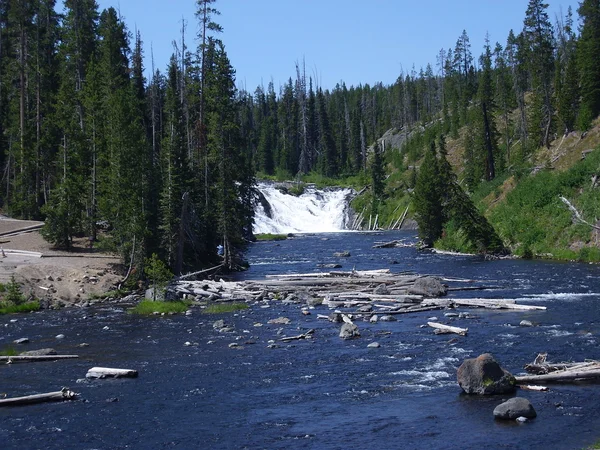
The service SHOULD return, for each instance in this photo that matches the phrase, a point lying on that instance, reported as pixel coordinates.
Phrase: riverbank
(57, 278)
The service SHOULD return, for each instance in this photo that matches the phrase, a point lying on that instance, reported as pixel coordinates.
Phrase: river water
(323, 393)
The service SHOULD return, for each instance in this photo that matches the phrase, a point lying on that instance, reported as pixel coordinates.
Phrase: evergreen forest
(167, 165)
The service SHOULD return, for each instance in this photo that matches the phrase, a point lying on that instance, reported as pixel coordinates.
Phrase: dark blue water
(323, 393)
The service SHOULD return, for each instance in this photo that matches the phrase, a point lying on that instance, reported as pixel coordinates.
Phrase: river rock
(428, 287)
(526, 323)
(483, 375)
(40, 352)
(314, 301)
(365, 308)
(374, 345)
(514, 408)
(382, 289)
(279, 321)
(219, 324)
(329, 266)
(21, 341)
(349, 331)
(344, 254)
(336, 317)
(387, 318)
(374, 318)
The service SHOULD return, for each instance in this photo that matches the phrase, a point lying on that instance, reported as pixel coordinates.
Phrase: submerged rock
(349, 331)
(279, 321)
(344, 254)
(388, 318)
(428, 287)
(515, 408)
(483, 375)
(526, 323)
(374, 345)
(21, 341)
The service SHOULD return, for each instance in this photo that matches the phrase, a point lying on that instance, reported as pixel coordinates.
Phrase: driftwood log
(32, 358)
(105, 372)
(444, 329)
(307, 335)
(63, 394)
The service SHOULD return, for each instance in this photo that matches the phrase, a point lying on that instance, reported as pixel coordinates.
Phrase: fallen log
(63, 394)
(530, 387)
(444, 329)
(497, 304)
(104, 372)
(565, 376)
(36, 358)
(307, 335)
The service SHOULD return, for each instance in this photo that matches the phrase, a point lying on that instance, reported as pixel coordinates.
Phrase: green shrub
(22, 308)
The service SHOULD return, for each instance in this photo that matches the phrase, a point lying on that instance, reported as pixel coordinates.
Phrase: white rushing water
(315, 211)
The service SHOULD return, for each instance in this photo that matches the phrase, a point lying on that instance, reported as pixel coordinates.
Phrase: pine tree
(377, 177)
(427, 199)
(539, 36)
(588, 49)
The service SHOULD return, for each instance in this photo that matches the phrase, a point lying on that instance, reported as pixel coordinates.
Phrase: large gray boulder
(349, 331)
(428, 287)
(513, 408)
(483, 375)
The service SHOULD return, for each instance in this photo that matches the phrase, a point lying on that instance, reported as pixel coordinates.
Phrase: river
(324, 393)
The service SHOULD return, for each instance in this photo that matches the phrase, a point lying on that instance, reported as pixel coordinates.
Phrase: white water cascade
(315, 211)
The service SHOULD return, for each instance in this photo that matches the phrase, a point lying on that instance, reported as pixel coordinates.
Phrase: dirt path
(56, 277)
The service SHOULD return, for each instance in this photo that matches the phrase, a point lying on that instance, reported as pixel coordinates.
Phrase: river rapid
(323, 393)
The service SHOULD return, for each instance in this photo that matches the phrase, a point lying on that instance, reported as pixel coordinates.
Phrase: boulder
(349, 331)
(428, 287)
(514, 408)
(314, 301)
(483, 375)
(381, 290)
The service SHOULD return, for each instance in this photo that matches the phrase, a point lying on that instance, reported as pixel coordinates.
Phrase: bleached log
(565, 376)
(532, 387)
(577, 214)
(63, 394)
(104, 372)
(36, 357)
(497, 304)
(200, 272)
(448, 329)
(307, 335)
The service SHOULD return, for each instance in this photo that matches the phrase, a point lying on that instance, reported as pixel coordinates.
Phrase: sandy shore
(58, 277)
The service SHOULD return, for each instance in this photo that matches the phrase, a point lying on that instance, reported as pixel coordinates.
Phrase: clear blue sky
(354, 41)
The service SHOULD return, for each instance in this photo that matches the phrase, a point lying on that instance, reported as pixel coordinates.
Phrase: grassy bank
(149, 307)
(531, 218)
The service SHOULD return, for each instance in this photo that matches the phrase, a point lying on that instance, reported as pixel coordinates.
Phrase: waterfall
(315, 211)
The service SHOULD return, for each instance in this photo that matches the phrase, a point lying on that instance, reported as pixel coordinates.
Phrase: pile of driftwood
(361, 292)
(546, 372)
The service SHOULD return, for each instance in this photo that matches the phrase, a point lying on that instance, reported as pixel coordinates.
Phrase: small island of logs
(360, 293)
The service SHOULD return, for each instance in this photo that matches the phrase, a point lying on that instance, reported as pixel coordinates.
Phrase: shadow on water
(322, 393)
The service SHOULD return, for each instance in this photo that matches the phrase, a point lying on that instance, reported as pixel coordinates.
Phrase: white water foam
(315, 211)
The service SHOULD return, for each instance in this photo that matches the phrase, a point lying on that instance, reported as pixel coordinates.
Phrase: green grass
(149, 307)
(222, 308)
(270, 237)
(22, 308)
(117, 293)
(9, 351)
